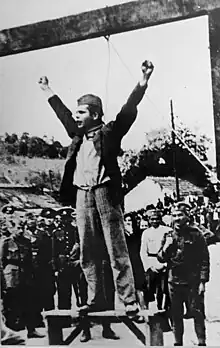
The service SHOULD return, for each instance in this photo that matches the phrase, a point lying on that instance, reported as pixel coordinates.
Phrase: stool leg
(55, 333)
(156, 332)
(147, 329)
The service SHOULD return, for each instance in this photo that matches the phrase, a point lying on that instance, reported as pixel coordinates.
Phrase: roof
(170, 183)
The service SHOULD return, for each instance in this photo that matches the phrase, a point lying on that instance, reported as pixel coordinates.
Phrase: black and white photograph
(110, 173)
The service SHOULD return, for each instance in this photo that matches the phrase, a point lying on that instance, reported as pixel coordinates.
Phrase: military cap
(65, 212)
(8, 209)
(92, 100)
(154, 212)
(181, 206)
(48, 213)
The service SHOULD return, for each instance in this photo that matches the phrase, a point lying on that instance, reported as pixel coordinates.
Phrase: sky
(179, 52)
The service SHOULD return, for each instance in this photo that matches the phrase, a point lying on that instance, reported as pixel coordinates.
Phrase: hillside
(48, 173)
(38, 171)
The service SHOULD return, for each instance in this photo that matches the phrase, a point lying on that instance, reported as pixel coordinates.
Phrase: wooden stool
(59, 319)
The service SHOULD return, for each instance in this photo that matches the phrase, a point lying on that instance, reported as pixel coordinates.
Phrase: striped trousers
(101, 232)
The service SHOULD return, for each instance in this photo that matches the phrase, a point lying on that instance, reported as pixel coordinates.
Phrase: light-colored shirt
(150, 244)
(89, 170)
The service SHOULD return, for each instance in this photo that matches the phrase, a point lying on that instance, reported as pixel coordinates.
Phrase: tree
(32, 146)
(11, 139)
(35, 147)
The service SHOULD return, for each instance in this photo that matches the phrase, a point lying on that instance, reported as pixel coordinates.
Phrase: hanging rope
(134, 79)
(122, 61)
(159, 112)
(107, 37)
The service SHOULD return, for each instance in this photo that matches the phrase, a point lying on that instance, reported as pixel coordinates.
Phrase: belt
(91, 188)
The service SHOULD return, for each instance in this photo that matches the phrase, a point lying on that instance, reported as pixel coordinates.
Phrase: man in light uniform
(150, 245)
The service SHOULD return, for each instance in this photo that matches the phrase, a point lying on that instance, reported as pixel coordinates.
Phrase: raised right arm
(166, 249)
(62, 112)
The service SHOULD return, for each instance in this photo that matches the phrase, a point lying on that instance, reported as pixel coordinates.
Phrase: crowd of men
(40, 257)
(140, 256)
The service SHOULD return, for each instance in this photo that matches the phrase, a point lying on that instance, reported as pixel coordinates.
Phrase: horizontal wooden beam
(101, 22)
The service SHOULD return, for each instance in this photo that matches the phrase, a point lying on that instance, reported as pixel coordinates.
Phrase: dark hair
(133, 216)
(93, 109)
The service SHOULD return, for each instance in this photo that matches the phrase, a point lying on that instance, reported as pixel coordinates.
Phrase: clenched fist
(147, 69)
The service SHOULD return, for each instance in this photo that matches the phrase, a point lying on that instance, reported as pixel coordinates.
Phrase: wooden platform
(58, 319)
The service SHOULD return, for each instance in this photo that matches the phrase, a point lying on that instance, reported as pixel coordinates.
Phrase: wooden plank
(214, 37)
(57, 319)
(105, 21)
(108, 313)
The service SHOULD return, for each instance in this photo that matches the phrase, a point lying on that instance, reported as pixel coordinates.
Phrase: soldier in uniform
(60, 257)
(77, 277)
(66, 256)
(186, 253)
(17, 270)
(43, 273)
(30, 232)
(44, 270)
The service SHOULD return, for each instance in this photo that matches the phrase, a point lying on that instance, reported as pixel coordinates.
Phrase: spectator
(16, 264)
(155, 272)
(185, 251)
(133, 240)
(159, 204)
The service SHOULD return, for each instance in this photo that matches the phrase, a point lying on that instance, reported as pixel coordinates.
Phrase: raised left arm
(128, 113)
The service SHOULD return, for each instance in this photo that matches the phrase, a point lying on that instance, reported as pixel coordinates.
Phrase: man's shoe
(35, 334)
(110, 334)
(85, 336)
(178, 344)
(132, 309)
(11, 338)
(202, 344)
